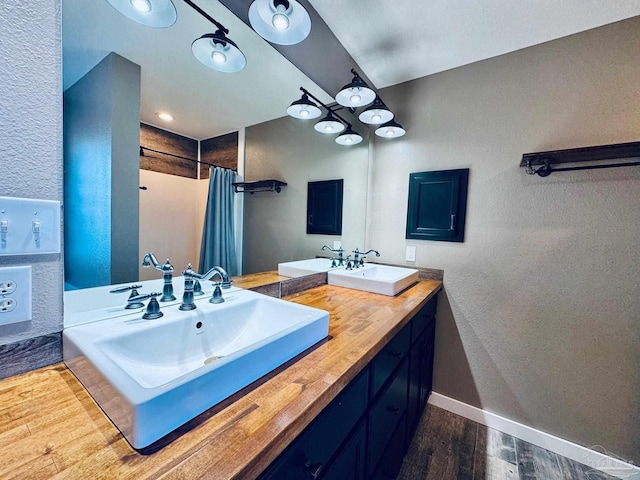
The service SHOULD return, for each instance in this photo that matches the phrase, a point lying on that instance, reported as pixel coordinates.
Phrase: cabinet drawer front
(391, 461)
(349, 464)
(425, 316)
(388, 359)
(386, 413)
(309, 454)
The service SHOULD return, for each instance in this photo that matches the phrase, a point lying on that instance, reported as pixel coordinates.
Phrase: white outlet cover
(337, 244)
(16, 280)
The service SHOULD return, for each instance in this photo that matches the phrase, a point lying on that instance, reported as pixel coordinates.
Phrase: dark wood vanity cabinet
(365, 432)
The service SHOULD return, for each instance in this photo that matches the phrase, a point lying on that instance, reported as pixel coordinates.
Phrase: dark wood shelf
(546, 160)
(583, 154)
(259, 186)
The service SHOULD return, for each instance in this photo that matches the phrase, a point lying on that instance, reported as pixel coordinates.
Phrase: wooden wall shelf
(546, 160)
(259, 186)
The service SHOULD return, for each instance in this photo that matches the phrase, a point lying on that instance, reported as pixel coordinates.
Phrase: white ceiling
(392, 41)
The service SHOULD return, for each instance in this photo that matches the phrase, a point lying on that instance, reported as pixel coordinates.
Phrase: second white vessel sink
(151, 376)
(301, 268)
(383, 279)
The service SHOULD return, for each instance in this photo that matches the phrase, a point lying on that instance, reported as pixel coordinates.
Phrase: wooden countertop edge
(256, 424)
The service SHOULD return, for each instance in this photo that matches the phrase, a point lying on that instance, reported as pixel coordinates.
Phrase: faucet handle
(217, 295)
(131, 303)
(125, 288)
(153, 308)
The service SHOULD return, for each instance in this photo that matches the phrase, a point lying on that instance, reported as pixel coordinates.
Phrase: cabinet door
(414, 400)
(387, 411)
(349, 463)
(391, 460)
(324, 207)
(308, 455)
(437, 205)
(388, 359)
(427, 364)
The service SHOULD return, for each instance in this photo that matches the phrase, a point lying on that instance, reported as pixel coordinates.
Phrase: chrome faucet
(358, 257)
(339, 251)
(167, 273)
(226, 282)
(191, 276)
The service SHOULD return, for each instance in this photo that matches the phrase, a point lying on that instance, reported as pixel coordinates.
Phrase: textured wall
(539, 321)
(31, 145)
(275, 223)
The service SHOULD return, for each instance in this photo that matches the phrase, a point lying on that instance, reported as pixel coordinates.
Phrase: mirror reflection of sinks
(383, 279)
(305, 267)
(152, 376)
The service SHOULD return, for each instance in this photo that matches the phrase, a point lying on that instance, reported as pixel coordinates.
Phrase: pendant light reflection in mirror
(284, 22)
(214, 50)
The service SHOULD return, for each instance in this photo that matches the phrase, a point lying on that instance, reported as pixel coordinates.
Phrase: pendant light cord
(207, 16)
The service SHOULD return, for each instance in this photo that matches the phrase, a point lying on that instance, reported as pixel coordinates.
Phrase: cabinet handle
(394, 353)
(313, 469)
(453, 221)
(393, 409)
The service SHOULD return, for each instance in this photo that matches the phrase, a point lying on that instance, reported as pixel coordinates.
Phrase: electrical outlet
(7, 287)
(337, 244)
(410, 255)
(7, 304)
(15, 294)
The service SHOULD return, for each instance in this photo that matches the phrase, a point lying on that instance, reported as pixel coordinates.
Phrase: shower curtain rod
(142, 149)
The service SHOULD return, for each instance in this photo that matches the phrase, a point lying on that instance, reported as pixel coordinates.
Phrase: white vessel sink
(382, 279)
(301, 268)
(151, 376)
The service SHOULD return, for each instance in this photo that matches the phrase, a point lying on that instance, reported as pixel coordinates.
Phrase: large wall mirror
(205, 104)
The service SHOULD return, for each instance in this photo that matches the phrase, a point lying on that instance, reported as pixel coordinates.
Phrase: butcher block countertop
(50, 427)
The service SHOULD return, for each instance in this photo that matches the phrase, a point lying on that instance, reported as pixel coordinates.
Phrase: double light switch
(29, 226)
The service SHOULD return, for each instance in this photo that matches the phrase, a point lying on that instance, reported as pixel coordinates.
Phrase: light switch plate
(410, 255)
(15, 294)
(337, 244)
(29, 226)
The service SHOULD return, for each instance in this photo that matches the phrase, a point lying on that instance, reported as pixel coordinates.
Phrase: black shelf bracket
(259, 186)
(545, 161)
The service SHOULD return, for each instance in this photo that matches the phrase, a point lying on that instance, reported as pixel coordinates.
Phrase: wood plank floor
(447, 446)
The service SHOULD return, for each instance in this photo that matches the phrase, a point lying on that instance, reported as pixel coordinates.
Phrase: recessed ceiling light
(167, 117)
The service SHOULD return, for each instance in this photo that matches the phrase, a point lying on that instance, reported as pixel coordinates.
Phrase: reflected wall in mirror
(206, 104)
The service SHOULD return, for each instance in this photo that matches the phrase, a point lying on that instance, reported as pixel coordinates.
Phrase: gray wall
(101, 160)
(539, 321)
(31, 146)
(275, 223)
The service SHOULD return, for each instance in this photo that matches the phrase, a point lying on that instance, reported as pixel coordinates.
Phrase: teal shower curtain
(218, 246)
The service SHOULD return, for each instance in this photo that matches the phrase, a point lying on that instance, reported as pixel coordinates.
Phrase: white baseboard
(599, 460)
